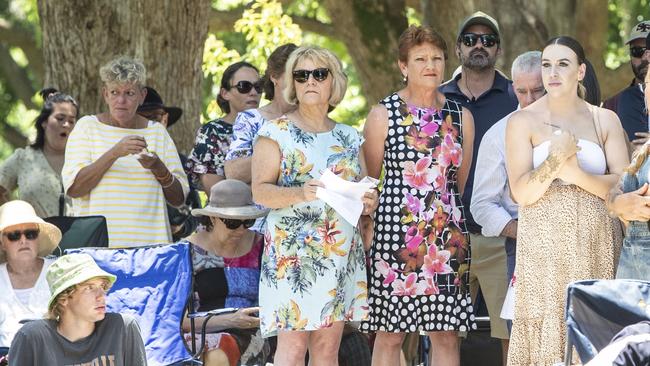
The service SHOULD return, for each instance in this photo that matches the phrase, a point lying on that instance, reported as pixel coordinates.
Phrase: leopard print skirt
(565, 236)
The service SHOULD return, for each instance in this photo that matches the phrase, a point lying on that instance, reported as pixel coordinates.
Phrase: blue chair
(154, 285)
(596, 310)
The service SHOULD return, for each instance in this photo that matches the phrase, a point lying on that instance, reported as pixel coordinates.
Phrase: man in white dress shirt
(492, 205)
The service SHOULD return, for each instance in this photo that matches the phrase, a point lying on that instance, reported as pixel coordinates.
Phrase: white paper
(344, 196)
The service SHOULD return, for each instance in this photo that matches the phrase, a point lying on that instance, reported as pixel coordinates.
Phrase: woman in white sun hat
(24, 240)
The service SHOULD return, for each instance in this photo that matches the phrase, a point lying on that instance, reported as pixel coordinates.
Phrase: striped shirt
(128, 195)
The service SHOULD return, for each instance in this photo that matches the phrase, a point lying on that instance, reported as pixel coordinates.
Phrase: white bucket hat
(231, 199)
(20, 212)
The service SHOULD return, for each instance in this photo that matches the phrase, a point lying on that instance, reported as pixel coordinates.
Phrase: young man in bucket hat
(79, 330)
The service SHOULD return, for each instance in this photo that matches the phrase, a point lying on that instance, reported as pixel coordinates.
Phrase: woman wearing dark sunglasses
(24, 240)
(241, 89)
(420, 256)
(313, 268)
(226, 259)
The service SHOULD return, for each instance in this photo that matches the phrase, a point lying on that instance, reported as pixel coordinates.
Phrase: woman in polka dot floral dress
(420, 254)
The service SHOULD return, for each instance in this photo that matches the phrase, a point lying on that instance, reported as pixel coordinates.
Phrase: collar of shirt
(500, 84)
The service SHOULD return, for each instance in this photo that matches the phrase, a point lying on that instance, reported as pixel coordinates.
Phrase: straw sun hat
(20, 212)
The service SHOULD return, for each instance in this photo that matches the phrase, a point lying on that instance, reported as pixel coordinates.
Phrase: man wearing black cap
(490, 97)
(629, 104)
(180, 220)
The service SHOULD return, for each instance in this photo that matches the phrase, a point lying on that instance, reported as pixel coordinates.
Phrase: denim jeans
(635, 255)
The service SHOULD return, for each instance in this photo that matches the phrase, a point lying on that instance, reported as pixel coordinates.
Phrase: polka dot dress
(420, 255)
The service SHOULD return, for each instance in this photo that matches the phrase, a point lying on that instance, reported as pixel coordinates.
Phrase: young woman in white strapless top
(563, 156)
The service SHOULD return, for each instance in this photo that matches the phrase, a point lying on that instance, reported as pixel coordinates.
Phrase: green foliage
(622, 16)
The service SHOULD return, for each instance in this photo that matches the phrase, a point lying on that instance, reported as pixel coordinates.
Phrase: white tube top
(591, 157)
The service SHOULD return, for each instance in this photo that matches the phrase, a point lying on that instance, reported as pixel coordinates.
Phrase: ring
(557, 132)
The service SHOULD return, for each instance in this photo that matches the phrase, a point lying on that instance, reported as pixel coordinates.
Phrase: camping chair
(154, 284)
(598, 309)
(81, 231)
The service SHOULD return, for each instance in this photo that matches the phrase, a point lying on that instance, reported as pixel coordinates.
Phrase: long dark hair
(225, 82)
(275, 67)
(576, 47)
(51, 97)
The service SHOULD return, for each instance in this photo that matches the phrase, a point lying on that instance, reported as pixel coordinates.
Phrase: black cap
(154, 101)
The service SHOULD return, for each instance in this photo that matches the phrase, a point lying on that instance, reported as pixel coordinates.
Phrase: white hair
(526, 63)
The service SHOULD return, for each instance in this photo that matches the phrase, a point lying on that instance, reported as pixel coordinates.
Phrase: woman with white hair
(24, 240)
(313, 275)
(121, 165)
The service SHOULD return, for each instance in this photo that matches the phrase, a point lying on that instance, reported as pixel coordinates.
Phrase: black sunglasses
(302, 76)
(487, 40)
(233, 224)
(30, 234)
(637, 51)
(245, 86)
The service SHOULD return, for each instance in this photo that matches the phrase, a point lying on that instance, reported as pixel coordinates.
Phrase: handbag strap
(61, 201)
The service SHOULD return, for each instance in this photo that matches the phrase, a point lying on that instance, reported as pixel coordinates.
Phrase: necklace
(469, 90)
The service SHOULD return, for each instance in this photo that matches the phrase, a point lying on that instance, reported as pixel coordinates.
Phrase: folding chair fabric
(596, 310)
(153, 284)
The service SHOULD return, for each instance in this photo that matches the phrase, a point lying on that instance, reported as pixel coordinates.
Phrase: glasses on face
(487, 40)
(234, 224)
(245, 86)
(319, 74)
(637, 51)
(30, 234)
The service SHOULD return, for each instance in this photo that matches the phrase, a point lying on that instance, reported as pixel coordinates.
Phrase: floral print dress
(313, 266)
(210, 147)
(420, 254)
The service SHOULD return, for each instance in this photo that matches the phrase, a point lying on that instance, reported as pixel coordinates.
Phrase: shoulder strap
(595, 120)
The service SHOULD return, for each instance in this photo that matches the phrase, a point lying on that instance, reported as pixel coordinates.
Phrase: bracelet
(164, 177)
(170, 183)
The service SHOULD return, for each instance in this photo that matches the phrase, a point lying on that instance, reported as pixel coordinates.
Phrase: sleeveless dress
(420, 255)
(567, 235)
(313, 265)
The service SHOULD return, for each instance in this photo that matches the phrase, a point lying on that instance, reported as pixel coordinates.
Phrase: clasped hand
(245, 318)
(564, 147)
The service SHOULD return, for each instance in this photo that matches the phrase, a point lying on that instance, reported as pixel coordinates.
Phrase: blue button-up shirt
(487, 109)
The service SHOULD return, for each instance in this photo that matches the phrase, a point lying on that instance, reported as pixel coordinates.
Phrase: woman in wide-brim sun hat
(24, 240)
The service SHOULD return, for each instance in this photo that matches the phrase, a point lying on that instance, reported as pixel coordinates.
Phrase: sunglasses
(30, 234)
(245, 86)
(233, 224)
(487, 40)
(319, 74)
(637, 51)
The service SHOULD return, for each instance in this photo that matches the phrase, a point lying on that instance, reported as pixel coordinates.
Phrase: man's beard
(640, 71)
(478, 60)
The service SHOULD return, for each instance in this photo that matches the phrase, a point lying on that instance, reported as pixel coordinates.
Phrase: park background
(186, 45)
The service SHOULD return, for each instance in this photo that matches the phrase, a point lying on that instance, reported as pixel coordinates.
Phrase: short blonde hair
(56, 309)
(124, 69)
(321, 56)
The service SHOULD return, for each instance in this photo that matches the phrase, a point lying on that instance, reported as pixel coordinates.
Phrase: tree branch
(10, 134)
(16, 36)
(224, 21)
(17, 78)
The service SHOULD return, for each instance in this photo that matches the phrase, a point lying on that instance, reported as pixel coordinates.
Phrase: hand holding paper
(344, 196)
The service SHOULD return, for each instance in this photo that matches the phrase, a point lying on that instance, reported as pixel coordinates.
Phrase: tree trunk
(370, 30)
(167, 35)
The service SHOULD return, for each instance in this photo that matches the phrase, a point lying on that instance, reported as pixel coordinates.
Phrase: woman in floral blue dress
(241, 89)
(420, 254)
(313, 275)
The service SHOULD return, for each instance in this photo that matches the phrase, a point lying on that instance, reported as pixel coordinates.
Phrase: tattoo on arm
(615, 192)
(543, 172)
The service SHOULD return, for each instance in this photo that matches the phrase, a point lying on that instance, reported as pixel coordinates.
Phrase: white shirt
(12, 310)
(492, 205)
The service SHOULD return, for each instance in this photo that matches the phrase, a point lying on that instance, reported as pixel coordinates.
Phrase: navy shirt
(487, 110)
(632, 112)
